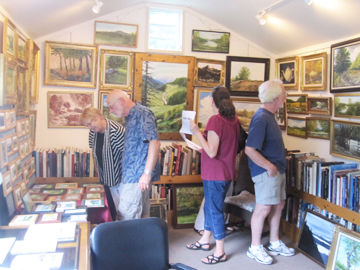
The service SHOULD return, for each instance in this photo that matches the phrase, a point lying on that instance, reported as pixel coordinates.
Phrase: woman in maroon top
(220, 144)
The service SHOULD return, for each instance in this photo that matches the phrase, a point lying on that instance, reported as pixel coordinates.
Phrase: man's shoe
(282, 249)
(259, 255)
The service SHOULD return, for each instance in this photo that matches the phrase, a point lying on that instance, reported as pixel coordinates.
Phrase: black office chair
(131, 245)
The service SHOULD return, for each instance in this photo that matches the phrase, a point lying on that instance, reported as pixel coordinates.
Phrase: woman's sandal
(200, 232)
(212, 259)
(198, 246)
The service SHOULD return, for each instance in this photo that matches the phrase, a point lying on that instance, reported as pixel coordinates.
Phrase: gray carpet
(236, 245)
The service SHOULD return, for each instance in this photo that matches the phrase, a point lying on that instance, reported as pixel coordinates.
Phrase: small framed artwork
(66, 185)
(17, 196)
(44, 186)
(187, 201)
(158, 208)
(21, 48)
(116, 70)
(7, 120)
(54, 192)
(93, 203)
(344, 140)
(347, 105)
(49, 218)
(26, 147)
(35, 72)
(34, 190)
(313, 72)
(104, 109)
(209, 73)
(23, 131)
(318, 127)
(245, 109)
(18, 128)
(296, 104)
(75, 191)
(343, 66)
(95, 189)
(54, 198)
(28, 203)
(287, 70)
(23, 187)
(210, 41)
(7, 186)
(116, 34)
(32, 165)
(344, 250)
(89, 184)
(296, 127)
(13, 173)
(32, 122)
(315, 237)
(10, 81)
(27, 126)
(93, 195)
(2, 120)
(23, 94)
(9, 145)
(72, 197)
(12, 118)
(38, 197)
(3, 153)
(18, 166)
(15, 143)
(245, 74)
(80, 75)
(203, 107)
(9, 46)
(43, 208)
(280, 117)
(26, 175)
(22, 150)
(64, 108)
(319, 105)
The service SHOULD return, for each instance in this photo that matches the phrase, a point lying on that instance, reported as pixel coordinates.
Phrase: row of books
(176, 159)
(64, 162)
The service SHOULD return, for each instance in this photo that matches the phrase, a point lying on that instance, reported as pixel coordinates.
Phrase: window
(165, 30)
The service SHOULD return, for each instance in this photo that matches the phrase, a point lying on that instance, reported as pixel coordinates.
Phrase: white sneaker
(282, 249)
(259, 255)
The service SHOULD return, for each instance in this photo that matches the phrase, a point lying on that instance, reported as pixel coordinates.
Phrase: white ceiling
(294, 25)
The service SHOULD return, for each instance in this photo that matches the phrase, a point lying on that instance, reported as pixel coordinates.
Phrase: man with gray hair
(267, 162)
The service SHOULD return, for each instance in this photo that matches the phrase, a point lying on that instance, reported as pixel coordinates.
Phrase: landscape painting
(296, 127)
(319, 105)
(345, 139)
(209, 73)
(65, 108)
(210, 41)
(296, 104)
(10, 37)
(115, 34)
(203, 107)
(287, 70)
(245, 74)
(318, 128)
(164, 84)
(21, 49)
(69, 64)
(245, 109)
(345, 66)
(347, 105)
(314, 70)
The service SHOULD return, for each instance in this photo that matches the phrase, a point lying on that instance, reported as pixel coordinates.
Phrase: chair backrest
(244, 181)
(131, 245)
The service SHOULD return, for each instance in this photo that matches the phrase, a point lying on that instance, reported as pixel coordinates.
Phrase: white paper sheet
(185, 129)
(5, 246)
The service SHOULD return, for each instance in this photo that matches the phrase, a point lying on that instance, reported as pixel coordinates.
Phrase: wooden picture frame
(38, 197)
(32, 123)
(158, 208)
(9, 45)
(167, 99)
(116, 70)
(44, 186)
(12, 118)
(17, 196)
(75, 191)
(187, 199)
(296, 126)
(209, 73)
(116, 34)
(2, 120)
(287, 70)
(10, 81)
(22, 50)
(72, 197)
(296, 103)
(28, 203)
(314, 72)
(346, 105)
(342, 55)
(23, 95)
(49, 218)
(54, 192)
(344, 249)
(203, 107)
(104, 109)
(9, 145)
(318, 127)
(92, 203)
(66, 185)
(61, 108)
(54, 198)
(95, 189)
(7, 186)
(245, 109)
(245, 74)
(57, 72)
(93, 195)
(345, 139)
(13, 173)
(210, 41)
(34, 69)
(316, 226)
(319, 105)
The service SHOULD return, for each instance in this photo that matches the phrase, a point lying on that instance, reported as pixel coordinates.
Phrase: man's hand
(144, 182)
(273, 171)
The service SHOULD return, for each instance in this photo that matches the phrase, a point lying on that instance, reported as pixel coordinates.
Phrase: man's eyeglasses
(112, 106)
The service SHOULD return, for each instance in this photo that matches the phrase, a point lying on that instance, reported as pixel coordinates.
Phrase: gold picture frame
(34, 71)
(314, 72)
(319, 105)
(203, 107)
(23, 94)
(179, 74)
(116, 69)
(287, 70)
(9, 40)
(346, 105)
(209, 73)
(22, 49)
(10, 81)
(79, 70)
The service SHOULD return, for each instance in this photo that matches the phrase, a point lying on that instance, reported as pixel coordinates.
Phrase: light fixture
(96, 8)
(260, 17)
(308, 2)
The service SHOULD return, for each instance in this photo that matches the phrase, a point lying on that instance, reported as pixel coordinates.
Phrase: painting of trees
(210, 41)
(345, 139)
(318, 127)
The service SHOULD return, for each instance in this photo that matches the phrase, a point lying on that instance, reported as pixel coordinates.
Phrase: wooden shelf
(180, 179)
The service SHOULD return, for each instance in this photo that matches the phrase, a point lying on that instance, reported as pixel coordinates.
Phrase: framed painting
(70, 64)
(22, 48)
(296, 104)
(209, 73)
(164, 83)
(15, 143)
(116, 70)
(287, 70)
(210, 41)
(116, 34)
(344, 66)
(318, 127)
(13, 172)
(315, 237)
(245, 109)
(9, 145)
(347, 105)
(314, 72)
(23, 95)
(319, 105)
(10, 81)
(245, 74)
(280, 117)
(7, 186)
(65, 108)
(17, 196)
(32, 125)
(12, 118)
(187, 201)
(203, 107)
(345, 250)
(9, 40)
(345, 140)
(296, 127)
(103, 107)
(3, 152)
(34, 72)
(2, 120)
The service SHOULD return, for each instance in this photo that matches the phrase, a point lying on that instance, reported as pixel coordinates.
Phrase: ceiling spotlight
(308, 2)
(96, 8)
(260, 17)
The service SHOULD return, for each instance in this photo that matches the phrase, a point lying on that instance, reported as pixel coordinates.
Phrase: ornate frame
(320, 105)
(212, 64)
(287, 64)
(310, 70)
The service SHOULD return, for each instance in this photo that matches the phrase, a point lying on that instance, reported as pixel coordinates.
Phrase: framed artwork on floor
(314, 72)
(319, 105)
(318, 127)
(287, 70)
(203, 107)
(245, 74)
(347, 105)
(210, 41)
(296, 127)
(209, 73)
(164, 83)
(116, 34)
